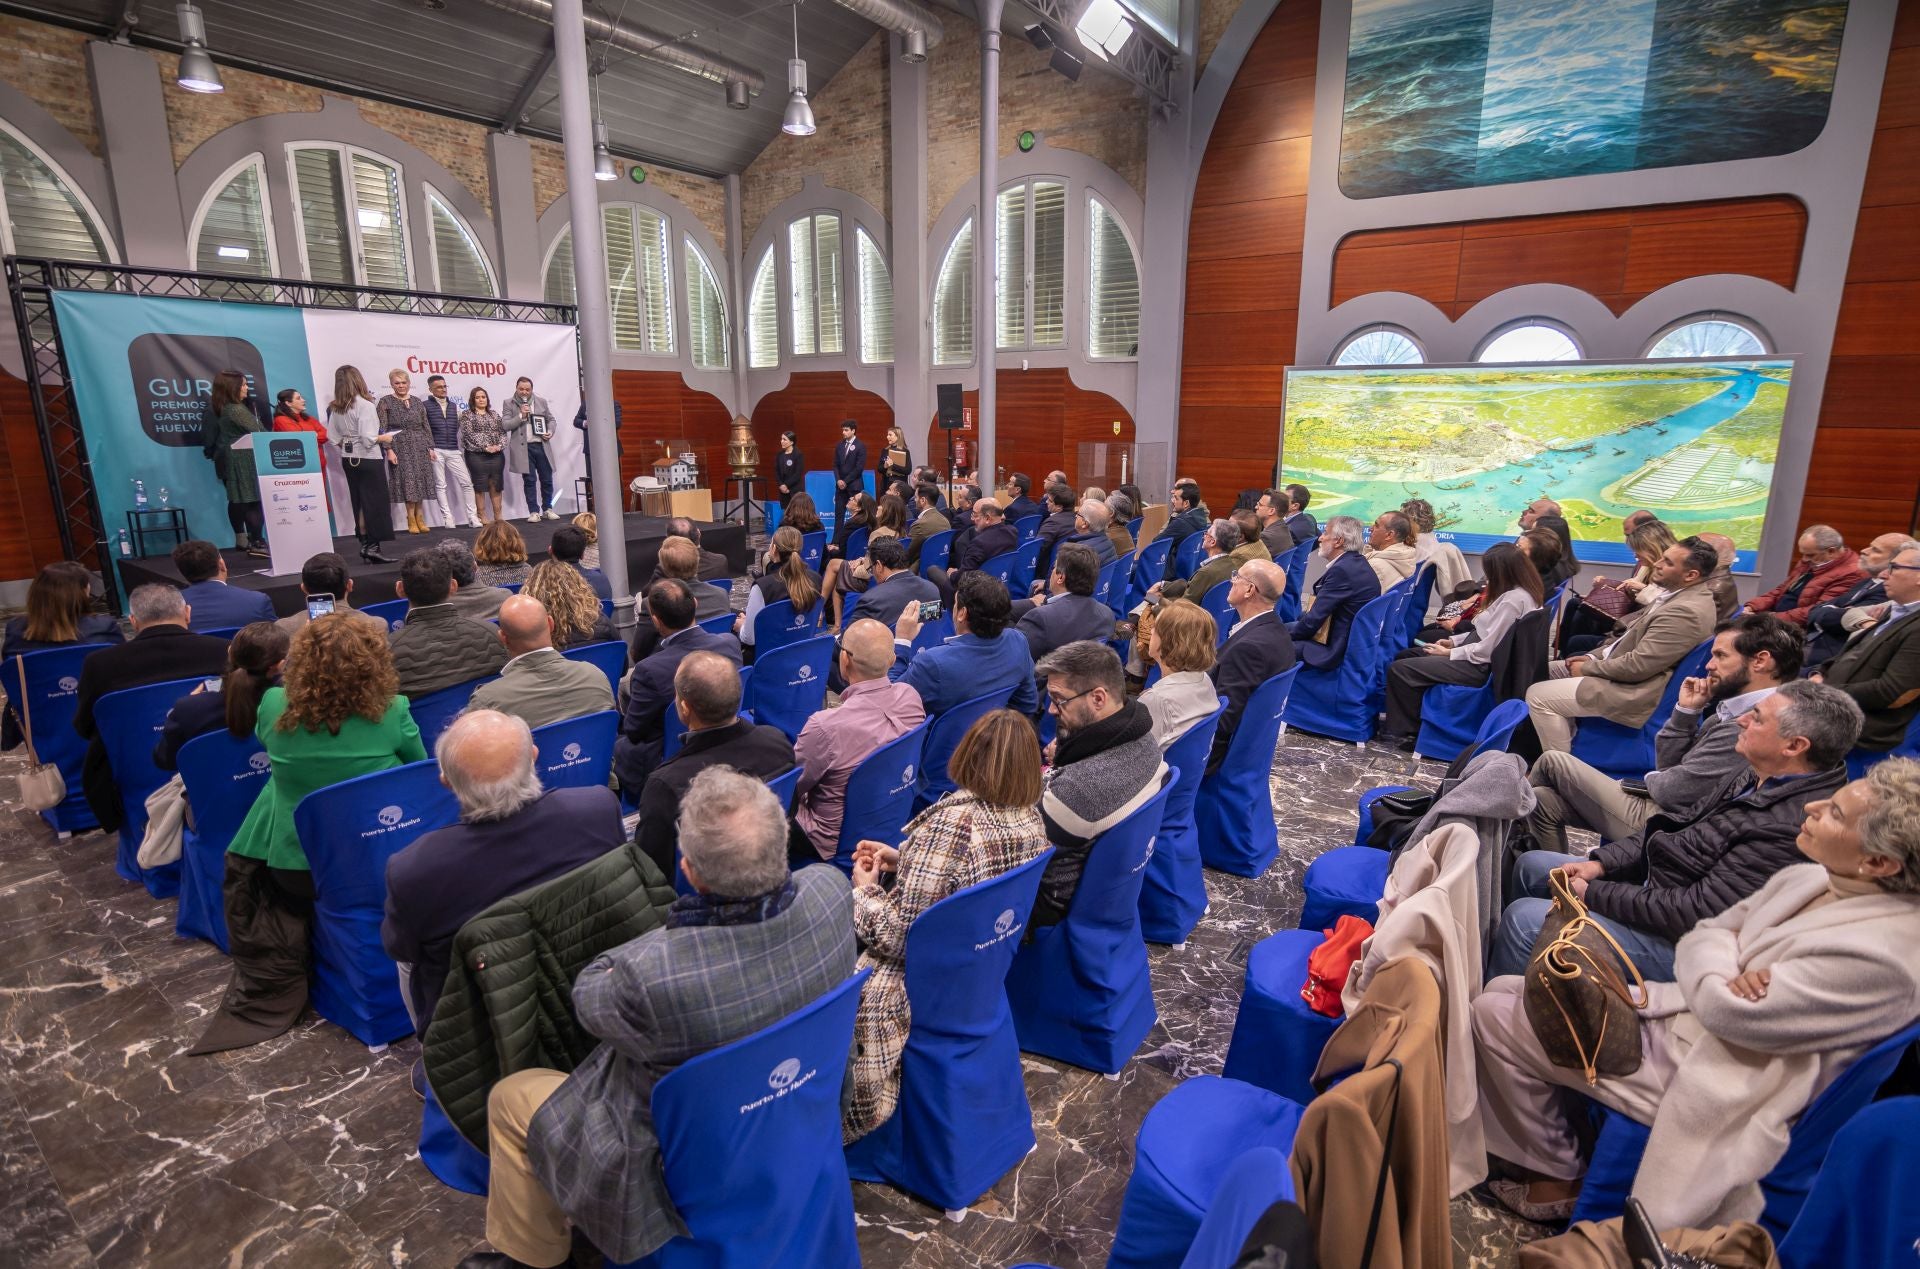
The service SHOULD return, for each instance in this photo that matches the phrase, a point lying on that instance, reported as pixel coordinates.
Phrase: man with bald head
(1257, 648)
(1726, 596)
(513, 834)
(1634, 519)
(1535, 509)
(873, 711)
(538, 684)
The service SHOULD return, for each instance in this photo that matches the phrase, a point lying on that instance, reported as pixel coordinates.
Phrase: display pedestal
(694, 504)
(293, 497)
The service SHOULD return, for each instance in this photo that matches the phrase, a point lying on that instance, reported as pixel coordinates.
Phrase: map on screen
(1692, 441)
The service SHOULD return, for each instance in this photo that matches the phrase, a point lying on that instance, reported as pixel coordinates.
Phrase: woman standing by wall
(356, 429)
(789, 469)
(896, 460)
(233, 420)
(404, 416)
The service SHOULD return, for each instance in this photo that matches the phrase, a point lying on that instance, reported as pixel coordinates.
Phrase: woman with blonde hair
(589, 524)
(337, 714)
(354, 424)
(896, 460)
(500, 554)
(1181, 641)
(571, 603)
(404, 416)
(787, 577)
(990, 824)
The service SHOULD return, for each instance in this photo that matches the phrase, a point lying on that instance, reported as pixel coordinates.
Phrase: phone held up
(318, 606)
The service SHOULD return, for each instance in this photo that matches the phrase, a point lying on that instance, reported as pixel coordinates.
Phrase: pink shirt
(835, 741)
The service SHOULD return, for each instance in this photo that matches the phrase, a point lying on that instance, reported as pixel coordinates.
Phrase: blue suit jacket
(650, 695)
(1064, 619)
(1020, 508)
(1255, 653)
(1348, 585)
(598, 580)
(217, 605)
(1301, 525)
(884, 601)
(967, 666)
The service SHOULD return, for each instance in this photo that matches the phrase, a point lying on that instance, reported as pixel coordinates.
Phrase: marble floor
(116, 1149)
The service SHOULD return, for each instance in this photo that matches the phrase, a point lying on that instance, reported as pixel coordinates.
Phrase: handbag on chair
(1577, 999)
(42, 787)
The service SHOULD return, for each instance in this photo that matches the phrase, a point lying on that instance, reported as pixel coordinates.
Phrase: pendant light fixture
(603, 168)
(197, 73)
(799, 118)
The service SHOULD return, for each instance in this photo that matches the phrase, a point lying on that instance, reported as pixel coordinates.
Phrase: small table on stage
(745, 501)
(143, 522)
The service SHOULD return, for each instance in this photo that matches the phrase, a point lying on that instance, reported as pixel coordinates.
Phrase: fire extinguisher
(960, 453)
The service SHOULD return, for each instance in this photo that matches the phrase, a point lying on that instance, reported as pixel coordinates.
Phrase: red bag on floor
(1329, 964)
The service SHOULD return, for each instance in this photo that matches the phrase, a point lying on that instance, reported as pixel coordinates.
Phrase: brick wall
(705, 198)
(1214, 16)
(848, 150)
(48, 64)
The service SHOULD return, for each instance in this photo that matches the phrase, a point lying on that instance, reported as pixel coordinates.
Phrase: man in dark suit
(650, 685)
(1275, 533)
(1070, 612)
(1880, 666)
(1348, 585)
(1020, 503)
(1189, 516)
(569, 546)
(706, 692)
(894, 585)
(163, 648)
(1830, 624)
(964, 496)
(216, 605)
(512, 835)
(992, 536)
(929, 521)
(1259, 647)
(1057, 527)
(849, 461)
(1299, 524)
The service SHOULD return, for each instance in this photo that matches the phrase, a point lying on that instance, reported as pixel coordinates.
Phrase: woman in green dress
(338, 715)
(233, 419)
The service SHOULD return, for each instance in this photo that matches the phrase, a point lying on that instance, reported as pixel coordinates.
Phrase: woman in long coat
(405, 415)
(233, 420)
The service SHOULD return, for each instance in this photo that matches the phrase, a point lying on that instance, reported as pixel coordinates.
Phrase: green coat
(235, 422)
(305, 759)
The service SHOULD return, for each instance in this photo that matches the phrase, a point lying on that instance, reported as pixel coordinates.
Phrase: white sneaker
(534, 518)
(552, 514)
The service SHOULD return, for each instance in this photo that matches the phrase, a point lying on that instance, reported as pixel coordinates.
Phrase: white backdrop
(470, 353)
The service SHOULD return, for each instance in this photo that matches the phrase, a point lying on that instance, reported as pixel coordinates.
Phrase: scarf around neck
(713, 909)
(1128, 723)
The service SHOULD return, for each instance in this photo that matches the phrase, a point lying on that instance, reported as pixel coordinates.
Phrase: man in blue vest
(452, 485)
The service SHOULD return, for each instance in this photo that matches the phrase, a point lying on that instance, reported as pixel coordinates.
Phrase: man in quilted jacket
(437, 647)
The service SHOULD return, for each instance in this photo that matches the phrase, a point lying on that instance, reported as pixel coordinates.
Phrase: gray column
(912, 342)
(596, 322)
(1171, 159)
(736, 297)
(986, 264)
(515, 220)
(139, 155)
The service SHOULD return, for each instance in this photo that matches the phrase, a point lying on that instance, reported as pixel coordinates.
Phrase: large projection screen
(1692, 441)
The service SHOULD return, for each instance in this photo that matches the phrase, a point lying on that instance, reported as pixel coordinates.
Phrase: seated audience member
(1186, 516)
(679, 557)
(500, 555)
(1649, 889)
(1824, 570)
(894, 586)
(537, 684)
(1450, 568)
(512, 835)
(1773, 999)
(1513, 590)
(1270, 511)
(986, 827)
(983, 655)
(1106, 764)
(1090, 525)
(1726, 595)
(858, 511)
(845, 577)
(786, 577)
(569, 546)
(929, 521)
(323, 574)
(1069, 612)
(706, 694)
(1832, 623)
(470, 598)
(254, 658)
(991, 536)
(1587, 626)
(1181, 642)
(873, 711)
(56, 617)
(1302, 527)
(1238, 540)
(1119, 511)
(713, 565)
(1390, 549)
(650, 683)
(1880, 667)
(162, 649)
(437, 647)
(1059, 522)
(578, 618)
(1531, 514)
(750, 946)
(589, 524)
(1623, 679)
(1019, 505)
(1694, 750)
(338, 715)
(801, 514)
(1544, 514)
(216, 605)
(1259, 645)
(1348, 585)
(964, 496)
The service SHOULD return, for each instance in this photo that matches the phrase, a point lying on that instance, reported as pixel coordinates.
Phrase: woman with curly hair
(575, 609)
(338, 714)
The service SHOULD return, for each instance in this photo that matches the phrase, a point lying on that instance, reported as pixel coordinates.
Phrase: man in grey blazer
(537, 683)
(752, 945)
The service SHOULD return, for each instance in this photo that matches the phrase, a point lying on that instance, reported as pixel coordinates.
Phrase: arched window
(813, 284)
(559, 275)
(41, 212)
(1709, 337)
(763, 315)
(953, 302)
(1113, 286)
(1379, 346)
(1030, 239)
(706, 311)
(233, 233)
(1531, 340)
(459, 265)
(639, 279)
(352, 226)
(876, 300)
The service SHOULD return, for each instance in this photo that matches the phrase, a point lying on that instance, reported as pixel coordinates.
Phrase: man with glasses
(1106, 764)
(1880, 667)
(1258, 648)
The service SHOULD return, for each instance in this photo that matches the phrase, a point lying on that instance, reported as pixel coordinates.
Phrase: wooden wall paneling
(1871, 392)
(658, 405)
(1247, 173)
(1244, 284)
(1041, 418)
(1590, 260)
(1893, 168)
(29, 529)
(812, 406)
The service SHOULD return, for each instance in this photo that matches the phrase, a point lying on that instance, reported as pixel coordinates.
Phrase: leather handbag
(1577, 997)
(42, 787)
(1329, 964)
(1608, 598)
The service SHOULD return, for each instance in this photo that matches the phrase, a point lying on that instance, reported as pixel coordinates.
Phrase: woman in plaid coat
(989, 825)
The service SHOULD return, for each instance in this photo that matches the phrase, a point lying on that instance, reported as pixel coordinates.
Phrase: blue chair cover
(453, 1160)
(1187, 557)
(1344, 881)
(1295, 562)
(879, 799)
(1234, 812)
(1860, 760)
(1276, 1038)
(1133, 526)
(1002, 566)
(223, 776)
(777, 625)
(719, 623)
(1028, 527)
(434, 711)
(1364, 829)
(1079, 990)
(934, 551)
(129, 722)
(943, 737)
(821, 487)
(1338, 702)
(391, 611)
(932, 635)
(577, 753)
(1249, 1186)
(857, 543)
(610, 656)
(783, 786)
(1215, 602)
(813, 548)
(1413, 606)
(1451, 713)
(1617, 1151)
(771, 514)
(1173, 895)
(1861, 1210)
(1111, 588)
(790, 684)
(1180, 1163)
(221, 632)
(750, 1144)
(1026, 559)
(962, 1121)
(1149, 566)
(349, 831)
(1627, 753)
(51, 690)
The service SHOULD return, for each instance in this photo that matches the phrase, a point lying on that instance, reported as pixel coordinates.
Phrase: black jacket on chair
(155, 655)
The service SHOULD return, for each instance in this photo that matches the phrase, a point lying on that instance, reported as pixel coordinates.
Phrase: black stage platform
(375, 582)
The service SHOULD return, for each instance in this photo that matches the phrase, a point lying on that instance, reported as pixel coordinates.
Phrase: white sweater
(1491, 626)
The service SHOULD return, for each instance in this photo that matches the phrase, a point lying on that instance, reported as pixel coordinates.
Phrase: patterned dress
(413, 475)
(957, 842)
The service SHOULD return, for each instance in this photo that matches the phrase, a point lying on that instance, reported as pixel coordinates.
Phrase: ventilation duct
(902, 17)
(740, 81)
